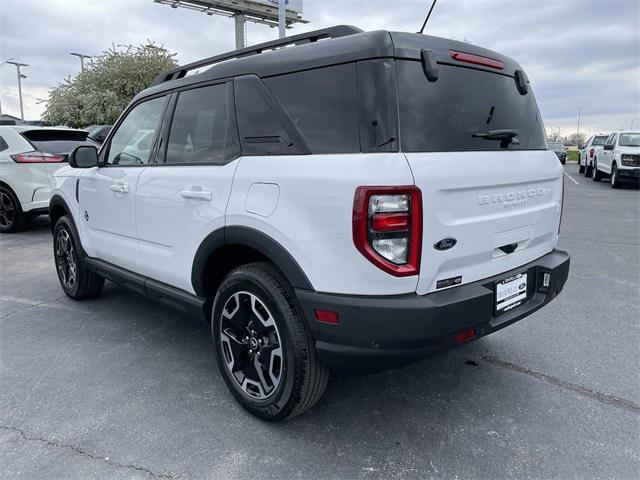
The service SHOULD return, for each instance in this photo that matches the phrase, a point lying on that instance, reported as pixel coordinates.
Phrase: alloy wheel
(251, 345)
(65, 259)
(7, 210)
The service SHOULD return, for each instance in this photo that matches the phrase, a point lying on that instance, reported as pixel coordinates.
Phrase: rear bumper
(380, 332)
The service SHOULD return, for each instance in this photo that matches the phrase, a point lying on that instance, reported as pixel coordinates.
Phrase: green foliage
(98, 95)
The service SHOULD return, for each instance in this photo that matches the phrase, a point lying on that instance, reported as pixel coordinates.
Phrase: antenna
(428, 15)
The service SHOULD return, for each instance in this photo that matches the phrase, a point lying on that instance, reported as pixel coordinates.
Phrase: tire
(581, 168)
(12, 218)
(615, 177)
(296, 379)
(597, 174)
(77, 281)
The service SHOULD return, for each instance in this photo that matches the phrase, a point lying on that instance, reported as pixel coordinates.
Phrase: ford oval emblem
(445, 244)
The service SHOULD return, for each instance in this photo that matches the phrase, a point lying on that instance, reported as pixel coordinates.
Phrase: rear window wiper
(505, 135)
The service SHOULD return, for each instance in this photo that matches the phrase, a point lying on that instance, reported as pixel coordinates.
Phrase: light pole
(20, 77)
(632, 120)
(81, 56)
(578, 130)
(282, 13)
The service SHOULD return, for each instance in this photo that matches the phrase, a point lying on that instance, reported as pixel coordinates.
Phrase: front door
(107, 193)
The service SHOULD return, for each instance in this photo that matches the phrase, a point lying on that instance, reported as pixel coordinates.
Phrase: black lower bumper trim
(381, 332)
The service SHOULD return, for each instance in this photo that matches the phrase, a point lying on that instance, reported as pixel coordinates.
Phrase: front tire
(264, 349)
(77, 281)
(12, 218)
(615, 177)
(597, 174)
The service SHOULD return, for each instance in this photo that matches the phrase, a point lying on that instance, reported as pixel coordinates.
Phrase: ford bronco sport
(355, 201)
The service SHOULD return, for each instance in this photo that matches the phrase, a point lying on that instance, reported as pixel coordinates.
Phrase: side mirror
(84, 156)
(608, 146)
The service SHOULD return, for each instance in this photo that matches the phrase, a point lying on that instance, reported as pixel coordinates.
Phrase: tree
(576, 139)
(100, 93)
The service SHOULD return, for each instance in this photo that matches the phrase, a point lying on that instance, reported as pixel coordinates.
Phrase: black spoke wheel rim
(251, 345)
(66, 259)
(7, 210)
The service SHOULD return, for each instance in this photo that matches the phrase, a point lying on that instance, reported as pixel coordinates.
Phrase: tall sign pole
(240, 30)
(282, 15)
(18, 65)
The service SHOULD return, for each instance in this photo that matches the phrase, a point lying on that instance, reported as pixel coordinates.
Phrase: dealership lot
(121, 387)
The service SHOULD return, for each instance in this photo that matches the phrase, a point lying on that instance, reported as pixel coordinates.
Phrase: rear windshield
(600, 140)
(443, 115)
(556, 146)
(56, 141)
(629, 140)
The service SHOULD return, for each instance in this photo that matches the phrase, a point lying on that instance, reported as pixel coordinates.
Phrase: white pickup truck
(619, 159)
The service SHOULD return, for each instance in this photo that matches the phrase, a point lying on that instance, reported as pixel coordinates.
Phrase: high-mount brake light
(387, 227)
(37, 157)
(476, 59)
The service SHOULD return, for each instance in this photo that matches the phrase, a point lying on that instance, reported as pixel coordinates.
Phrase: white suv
(29, 156)
(345, 204)
(619, 158)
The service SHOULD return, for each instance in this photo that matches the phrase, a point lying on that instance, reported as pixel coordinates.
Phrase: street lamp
(578, 130)
(20, 77)
(81, 56)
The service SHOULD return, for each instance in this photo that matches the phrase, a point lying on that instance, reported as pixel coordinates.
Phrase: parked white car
(619, 159)
(588, 153)
(28, 158)
(343, 204)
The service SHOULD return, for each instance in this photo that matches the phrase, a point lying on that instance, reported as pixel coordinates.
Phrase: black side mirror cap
(83, 156)
(608, 146)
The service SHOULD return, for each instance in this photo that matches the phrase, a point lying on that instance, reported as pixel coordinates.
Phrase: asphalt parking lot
(121, 387)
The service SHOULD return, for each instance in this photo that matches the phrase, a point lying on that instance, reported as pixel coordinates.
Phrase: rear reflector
(390, 222)
(37, 157)
(476, 59)
(327, 316)
(465, 335)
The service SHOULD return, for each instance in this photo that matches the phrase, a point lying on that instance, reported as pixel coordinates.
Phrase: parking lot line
(571, 178)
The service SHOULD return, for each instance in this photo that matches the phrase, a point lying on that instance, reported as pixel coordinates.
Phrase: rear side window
(322, 104)
(443, 115)
(3, 144)
(203, 129)
(56, 141)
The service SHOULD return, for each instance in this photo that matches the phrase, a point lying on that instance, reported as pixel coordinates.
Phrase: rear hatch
(476, 145)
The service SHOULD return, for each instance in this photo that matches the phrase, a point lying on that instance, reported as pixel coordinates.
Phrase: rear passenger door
(605, 156)
(183, 196)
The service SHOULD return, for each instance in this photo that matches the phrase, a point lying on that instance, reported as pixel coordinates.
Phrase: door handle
(196, 195)
(119, 188)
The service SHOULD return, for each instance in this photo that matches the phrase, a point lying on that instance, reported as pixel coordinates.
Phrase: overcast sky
(577, 53)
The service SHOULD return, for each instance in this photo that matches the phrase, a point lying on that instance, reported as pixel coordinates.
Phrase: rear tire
(77, 281)
(615, 177)
(12, 218)
(581, 168)
(588, 171)
(597, 174)
(264, 349)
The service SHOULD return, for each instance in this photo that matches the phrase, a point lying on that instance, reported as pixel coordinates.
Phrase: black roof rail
(309, 37)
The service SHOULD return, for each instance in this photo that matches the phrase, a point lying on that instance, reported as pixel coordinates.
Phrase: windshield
(600, 140)
(629, 139)
(444, 115)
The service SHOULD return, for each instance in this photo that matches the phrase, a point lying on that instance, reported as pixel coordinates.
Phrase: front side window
(611, 140)
(203, 129)
(133, 141)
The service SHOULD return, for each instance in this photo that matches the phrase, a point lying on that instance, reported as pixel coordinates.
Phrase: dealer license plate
(511, 292)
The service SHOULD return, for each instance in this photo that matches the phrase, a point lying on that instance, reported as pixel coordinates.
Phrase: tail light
(561, 205)
(387, 227)
(37, 157)
(591, 152)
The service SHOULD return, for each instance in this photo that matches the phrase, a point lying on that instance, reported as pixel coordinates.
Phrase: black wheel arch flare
(251, 238)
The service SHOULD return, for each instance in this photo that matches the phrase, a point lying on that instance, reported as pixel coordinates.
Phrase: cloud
(578, 53)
